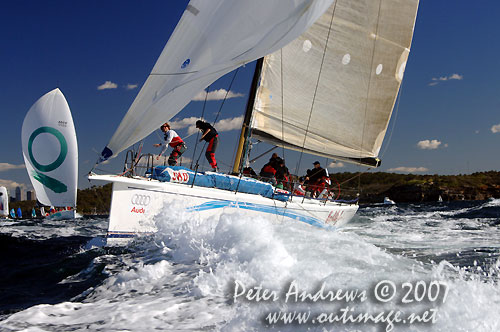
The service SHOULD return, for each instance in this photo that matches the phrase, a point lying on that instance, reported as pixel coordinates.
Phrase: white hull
(136, 201)
(63, 215)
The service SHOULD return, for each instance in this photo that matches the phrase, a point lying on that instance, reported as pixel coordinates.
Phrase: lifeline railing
(142, 165)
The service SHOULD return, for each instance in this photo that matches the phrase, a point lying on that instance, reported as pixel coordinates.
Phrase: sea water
(412, 267)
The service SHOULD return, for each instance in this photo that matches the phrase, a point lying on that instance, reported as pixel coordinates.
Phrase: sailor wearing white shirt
(175, 141)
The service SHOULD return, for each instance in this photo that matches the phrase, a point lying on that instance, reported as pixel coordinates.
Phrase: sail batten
(365, 49)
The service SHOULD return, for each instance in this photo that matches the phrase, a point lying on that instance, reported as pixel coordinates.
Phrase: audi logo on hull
(142, 200)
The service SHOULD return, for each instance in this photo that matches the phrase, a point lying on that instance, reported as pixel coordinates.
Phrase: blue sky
(444, 124)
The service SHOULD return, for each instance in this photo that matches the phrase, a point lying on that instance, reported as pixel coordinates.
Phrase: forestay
(339, 79)
(211, 39)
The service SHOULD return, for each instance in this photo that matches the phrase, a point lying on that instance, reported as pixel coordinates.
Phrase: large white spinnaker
(50, 150)
(337, 99)
(211, 39)
(4, 202)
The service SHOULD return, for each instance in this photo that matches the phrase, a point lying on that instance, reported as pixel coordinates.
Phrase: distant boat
(12, 213)
(19, 213)
(388, 201)
(440, 199)
(50, 152)
(4, 203)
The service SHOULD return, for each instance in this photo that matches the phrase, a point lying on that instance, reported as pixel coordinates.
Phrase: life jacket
(172, 139)
(299, 190)
(204, 126)
(268, 169)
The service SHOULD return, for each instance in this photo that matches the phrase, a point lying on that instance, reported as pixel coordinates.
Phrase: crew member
(298, 188)
(209, 134)
(318, 179)
(175, 141)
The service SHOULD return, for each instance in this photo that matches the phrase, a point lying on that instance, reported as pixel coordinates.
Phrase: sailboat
(388, 201)
(4, 203)
(51, 154)
(326, 85)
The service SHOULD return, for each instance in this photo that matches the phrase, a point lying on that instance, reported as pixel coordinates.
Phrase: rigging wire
(316, 88)
(368, 90)
(218, 113)
(198, 132)
(394, 120)
(282, 105)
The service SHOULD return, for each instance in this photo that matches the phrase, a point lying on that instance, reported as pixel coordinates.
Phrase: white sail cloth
(4, 202)
(50, 150)
(357, 80)
(211, 39)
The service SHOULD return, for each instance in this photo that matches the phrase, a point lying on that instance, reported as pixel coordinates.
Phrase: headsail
(339, 79)
(50, 150)
(211, 39)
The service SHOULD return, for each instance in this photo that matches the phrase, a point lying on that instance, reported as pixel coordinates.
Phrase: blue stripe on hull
(124, 235)
(261, 208)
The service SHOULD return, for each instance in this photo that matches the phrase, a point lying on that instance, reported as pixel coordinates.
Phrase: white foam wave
(183, 279)
(493, 202)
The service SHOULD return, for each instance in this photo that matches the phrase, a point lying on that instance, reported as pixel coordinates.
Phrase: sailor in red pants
(175, 141)
(209, 134)
(319, 180)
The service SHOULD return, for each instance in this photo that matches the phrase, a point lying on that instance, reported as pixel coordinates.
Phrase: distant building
(19, 194)
(30, 195)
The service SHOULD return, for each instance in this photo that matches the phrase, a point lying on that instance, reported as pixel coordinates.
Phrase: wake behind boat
(329, 92)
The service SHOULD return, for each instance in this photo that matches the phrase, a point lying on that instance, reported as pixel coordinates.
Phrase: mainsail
(331, 91)
(211, 39)
(50, 150)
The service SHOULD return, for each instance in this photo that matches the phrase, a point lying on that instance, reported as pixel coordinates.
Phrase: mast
(245, 129)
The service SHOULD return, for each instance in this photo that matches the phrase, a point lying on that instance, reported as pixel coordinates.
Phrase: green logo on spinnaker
(51, 183)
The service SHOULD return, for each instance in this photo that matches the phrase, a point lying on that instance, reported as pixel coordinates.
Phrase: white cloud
(495, 129)
(229, 124)
(107, 85)
(183, 123)
(429, 144)
(334, 164)
(11, 186)
(408, 169)
(456, 77)
(8, 167)
(436, 80)
(222, 125)
(130, 86)
(217, 95)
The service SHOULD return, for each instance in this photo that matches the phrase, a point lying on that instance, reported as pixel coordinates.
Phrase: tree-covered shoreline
(371, 186)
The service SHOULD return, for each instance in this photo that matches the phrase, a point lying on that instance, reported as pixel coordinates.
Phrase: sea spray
(181, 277)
